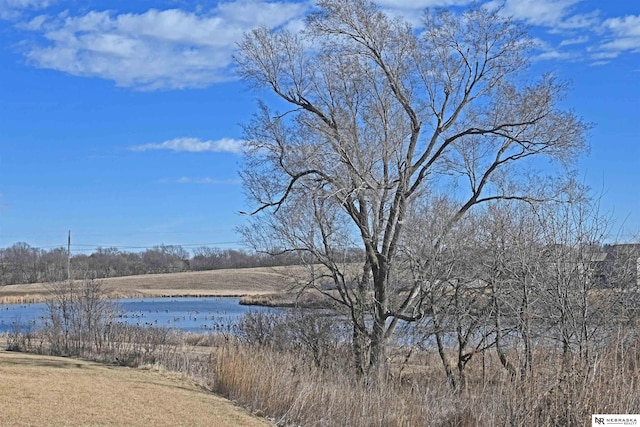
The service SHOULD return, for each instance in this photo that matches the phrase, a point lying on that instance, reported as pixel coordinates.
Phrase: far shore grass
(270, 286)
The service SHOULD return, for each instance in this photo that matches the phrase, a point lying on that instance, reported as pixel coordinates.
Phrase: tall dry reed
(291, 388)
(561, 392)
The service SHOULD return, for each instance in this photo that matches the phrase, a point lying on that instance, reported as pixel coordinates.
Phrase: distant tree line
(22, 263)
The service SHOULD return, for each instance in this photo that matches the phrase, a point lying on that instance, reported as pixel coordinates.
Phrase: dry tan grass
(54, 391)
(231, 282)
(293, 392)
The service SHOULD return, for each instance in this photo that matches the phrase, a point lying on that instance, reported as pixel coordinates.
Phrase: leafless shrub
(78, 317)
(315, 334)
(23, 337)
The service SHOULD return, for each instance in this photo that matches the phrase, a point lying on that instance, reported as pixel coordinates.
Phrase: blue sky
(120, 120)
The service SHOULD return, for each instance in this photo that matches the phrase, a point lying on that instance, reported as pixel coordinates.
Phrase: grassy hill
(231, 282)
(53, 391)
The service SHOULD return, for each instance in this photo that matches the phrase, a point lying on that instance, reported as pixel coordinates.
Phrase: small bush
(78, 318)
(22, 337)
(312, 333)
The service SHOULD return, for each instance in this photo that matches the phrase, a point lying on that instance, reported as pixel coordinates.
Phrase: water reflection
(219, 314)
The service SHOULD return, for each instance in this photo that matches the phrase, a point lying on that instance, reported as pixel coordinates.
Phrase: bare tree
(378, 116)
(22, 263)
(623, 279)
(166, 259)
(78, 317)
(577, 273)
(54, 264)
(452, 289)
(512, 259)
(552, 281)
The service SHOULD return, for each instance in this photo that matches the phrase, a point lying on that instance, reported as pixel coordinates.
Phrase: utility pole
(69, 257)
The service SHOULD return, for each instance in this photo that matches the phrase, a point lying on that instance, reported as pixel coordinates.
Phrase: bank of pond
(201, 314)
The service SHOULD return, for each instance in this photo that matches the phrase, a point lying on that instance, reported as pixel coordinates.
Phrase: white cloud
(622, 44)
(580, 21)
(538, 12)
(548, 52)
(175, 49)
(625, 34)
(24, 4)
(12, 9)
(419, 4)
(555, 55)
(158, 49)
(589, 37)
(604, 55)
(410, 10)
(194, 145)
(574, 41)
(629, 26)
(556, 15)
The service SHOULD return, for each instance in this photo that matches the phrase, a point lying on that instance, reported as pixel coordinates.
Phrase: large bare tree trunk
(377, 356)
(525, 317)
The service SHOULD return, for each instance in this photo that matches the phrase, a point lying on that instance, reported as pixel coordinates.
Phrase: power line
(90, 247)
(95, 245)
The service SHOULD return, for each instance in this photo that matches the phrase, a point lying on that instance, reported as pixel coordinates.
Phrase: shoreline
(236, 283)
(41, 298)
(258, 299)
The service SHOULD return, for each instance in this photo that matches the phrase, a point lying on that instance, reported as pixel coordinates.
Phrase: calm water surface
(186, 314)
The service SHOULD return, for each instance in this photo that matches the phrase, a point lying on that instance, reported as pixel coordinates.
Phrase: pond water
(186, 314)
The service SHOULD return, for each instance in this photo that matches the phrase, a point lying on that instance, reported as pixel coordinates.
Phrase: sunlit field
(54, 391)
(231, 282)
